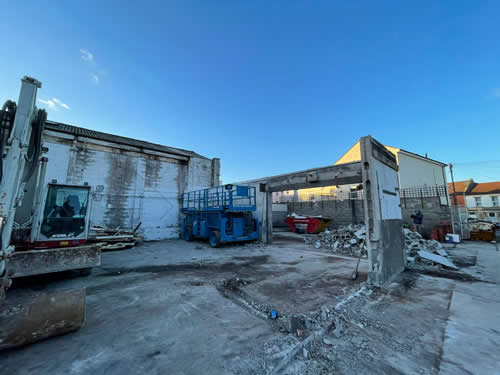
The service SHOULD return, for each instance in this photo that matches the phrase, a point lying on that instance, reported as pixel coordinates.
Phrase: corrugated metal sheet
(78, 131)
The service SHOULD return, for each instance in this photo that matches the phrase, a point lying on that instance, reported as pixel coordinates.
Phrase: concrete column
(215, 172)
(268, 225)
(383, 218)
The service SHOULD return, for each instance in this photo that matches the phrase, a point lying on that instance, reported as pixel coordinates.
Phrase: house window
(494, 200)
(472, 213)
(491, 214)
(478, 201)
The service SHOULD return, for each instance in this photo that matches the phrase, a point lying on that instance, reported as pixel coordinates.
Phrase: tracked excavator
(52, 240)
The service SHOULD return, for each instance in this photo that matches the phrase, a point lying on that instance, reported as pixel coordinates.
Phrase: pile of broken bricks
(347, 240)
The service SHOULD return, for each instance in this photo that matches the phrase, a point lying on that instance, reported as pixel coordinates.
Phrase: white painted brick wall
(136, 188)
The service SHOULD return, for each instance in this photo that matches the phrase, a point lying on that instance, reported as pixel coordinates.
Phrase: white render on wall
(388, 202)
(199, 174)
(414, 171)
(486, 200)
(138, 186)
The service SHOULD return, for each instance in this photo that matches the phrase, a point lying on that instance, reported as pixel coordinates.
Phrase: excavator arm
(27, 316)
(19, 152)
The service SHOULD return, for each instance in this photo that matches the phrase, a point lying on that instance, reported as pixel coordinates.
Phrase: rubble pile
(424, 252)
(349, 240)
(346, 240)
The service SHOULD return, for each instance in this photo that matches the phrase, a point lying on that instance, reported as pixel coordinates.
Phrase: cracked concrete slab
(157, 308)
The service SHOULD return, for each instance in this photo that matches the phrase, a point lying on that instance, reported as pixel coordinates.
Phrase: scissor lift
(220, 214)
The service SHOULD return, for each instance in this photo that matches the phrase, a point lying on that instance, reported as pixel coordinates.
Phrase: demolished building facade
(132, 181)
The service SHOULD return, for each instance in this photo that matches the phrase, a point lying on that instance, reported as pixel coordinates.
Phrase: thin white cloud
(54, 104)
(86, 55)
(58, 102)
(49, 103)
(496, 92)
(96, 72)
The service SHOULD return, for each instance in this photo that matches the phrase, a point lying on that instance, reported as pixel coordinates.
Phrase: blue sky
(269, 87)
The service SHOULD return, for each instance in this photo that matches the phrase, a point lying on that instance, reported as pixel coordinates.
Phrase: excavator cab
(65, 214)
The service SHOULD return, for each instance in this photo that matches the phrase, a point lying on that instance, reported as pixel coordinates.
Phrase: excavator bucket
(28, 319)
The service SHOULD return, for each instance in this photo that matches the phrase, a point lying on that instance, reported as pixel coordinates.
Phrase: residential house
(414, 170)
(418, 175)
(481, 199)
(457, 196)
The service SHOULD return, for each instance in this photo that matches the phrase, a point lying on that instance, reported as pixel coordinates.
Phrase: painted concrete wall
(137, 187)
(417, 172)
(199, 174)
(264, 206)
(383, 217)
(413, 171)
(353, 154)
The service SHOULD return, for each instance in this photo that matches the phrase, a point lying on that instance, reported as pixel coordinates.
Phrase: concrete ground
(185, 308)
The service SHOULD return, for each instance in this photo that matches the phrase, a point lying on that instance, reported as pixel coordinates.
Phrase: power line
(477, 162)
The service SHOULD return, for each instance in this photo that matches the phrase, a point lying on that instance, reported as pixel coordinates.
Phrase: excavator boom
(28, 316)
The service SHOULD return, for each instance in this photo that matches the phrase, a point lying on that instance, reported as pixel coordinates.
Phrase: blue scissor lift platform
(222, 214)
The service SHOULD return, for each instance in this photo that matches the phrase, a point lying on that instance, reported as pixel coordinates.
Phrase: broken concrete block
(436, 244)
(324, 316)
(360, 233)
(328, 341)
(442, 252)
(415, 244)
(437, 259)
(305, 353)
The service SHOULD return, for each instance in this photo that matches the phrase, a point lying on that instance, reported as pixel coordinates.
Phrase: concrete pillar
(215, 172)
(268, 225)
(383, 218)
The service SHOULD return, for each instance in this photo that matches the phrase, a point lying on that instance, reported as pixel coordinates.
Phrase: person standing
(418, 217)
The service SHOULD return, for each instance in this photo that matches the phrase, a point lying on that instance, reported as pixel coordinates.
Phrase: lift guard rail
(220, 214)
(229, 197)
